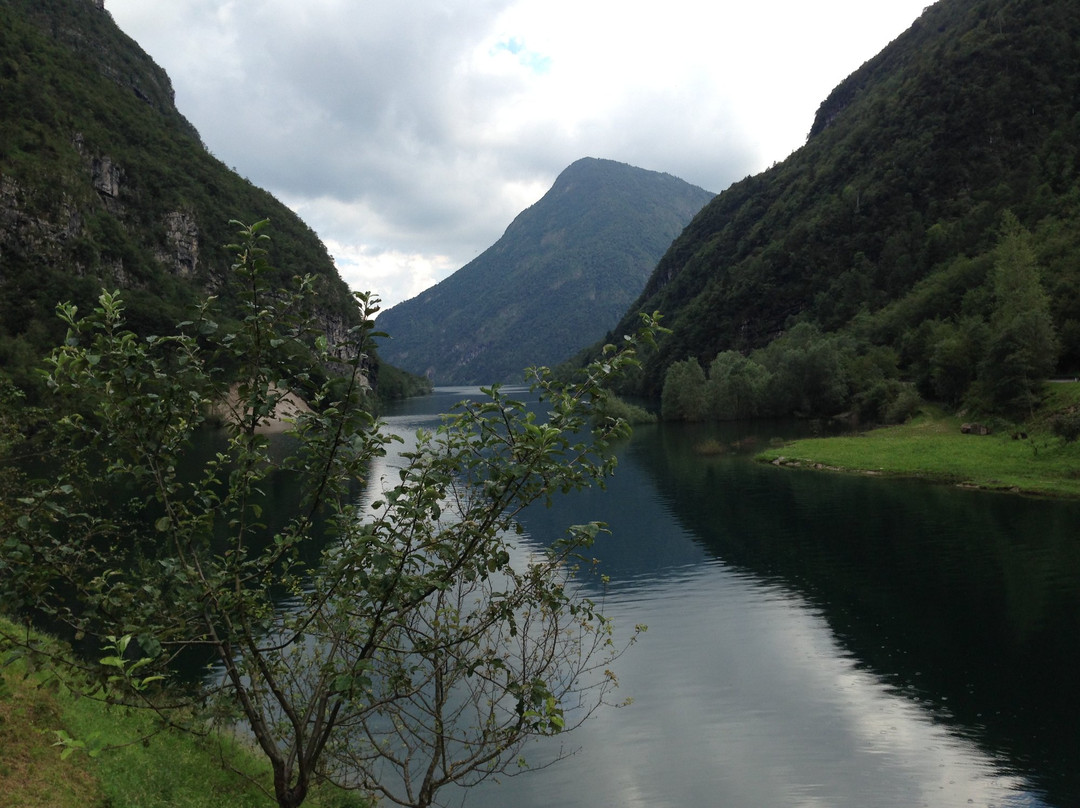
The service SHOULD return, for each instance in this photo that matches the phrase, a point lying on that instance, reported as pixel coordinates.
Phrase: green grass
(31, 772)
(1061, 395)
(169, 770)
(932, 446)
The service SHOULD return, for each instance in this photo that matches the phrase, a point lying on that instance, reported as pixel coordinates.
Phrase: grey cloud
(360, 109)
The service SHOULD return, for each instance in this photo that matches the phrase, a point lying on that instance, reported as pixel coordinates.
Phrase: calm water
(817, 639)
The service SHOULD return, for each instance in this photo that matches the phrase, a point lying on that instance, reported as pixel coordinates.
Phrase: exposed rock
(106, 177)
(182, 240)
(974, 429)
(289, 407)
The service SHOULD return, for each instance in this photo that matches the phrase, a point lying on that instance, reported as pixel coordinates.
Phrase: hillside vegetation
(103, 183)
(884, 236)
(558, 279)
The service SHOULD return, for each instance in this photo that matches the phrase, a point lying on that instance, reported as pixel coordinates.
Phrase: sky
(409, 133)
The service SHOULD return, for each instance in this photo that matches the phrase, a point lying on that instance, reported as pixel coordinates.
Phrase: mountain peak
(558, 278)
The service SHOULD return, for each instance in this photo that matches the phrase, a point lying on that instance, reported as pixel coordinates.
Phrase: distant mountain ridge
(883, 225)
(558, 279)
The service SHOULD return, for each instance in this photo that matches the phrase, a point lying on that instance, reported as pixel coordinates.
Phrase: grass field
(168, 770)
(932, 446)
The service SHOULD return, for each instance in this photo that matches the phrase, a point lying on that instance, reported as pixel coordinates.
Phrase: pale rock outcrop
(181, 255)
(107, 178)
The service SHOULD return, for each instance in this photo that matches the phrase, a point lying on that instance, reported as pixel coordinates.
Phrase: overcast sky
(410, 133)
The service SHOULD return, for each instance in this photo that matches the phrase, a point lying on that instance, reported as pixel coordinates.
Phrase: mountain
(884, 225)
(558, 279)
(104, 183)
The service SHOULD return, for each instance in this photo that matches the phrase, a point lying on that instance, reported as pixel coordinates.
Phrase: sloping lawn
(168, 770)
(932, 446)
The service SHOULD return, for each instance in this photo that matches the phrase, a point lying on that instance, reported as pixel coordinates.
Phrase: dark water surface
(817, 639)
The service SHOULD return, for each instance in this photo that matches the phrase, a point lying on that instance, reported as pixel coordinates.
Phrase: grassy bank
(166, 771)
(932, 446)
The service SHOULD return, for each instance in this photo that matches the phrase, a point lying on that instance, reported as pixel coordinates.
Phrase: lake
(815, 639)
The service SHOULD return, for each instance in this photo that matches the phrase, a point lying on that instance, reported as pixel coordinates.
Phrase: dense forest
(878, 248)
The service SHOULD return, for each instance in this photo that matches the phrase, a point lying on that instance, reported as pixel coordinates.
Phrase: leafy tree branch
(394, 648)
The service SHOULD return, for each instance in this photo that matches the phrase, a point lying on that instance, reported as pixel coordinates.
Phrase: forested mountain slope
(104, 183)
(559, 277)
(884, 225)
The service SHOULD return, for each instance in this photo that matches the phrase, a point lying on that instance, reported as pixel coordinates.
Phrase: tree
(684, 396)
(1023, 349)
(736, 387)
(807, 375)
(411, 635)
(958, 348)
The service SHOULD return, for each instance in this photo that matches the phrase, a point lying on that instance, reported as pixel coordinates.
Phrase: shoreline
(932, 447)
(281, 420)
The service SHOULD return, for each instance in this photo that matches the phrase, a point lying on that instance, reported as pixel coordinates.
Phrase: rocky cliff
(104, 183)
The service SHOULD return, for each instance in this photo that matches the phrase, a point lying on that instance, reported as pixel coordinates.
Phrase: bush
(632, 414)
(890, 401)
(1066, 425)
(905, 406)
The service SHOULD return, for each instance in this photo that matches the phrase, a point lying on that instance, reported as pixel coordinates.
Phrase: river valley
(815, 639)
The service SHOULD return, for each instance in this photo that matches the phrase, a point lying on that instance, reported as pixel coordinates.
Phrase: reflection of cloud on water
(383, 473)
(783, 718)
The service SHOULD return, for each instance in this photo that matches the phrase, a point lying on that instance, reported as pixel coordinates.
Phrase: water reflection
(820, 640)
(744, 698)
(968, 602)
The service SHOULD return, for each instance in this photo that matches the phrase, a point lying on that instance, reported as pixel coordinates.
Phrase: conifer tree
(1023, 348)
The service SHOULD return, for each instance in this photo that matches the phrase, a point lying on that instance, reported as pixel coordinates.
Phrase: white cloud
(410, 274)
(411, 134)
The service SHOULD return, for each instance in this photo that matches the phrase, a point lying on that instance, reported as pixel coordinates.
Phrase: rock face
(106, 177)
(26, 230)
(182, 239)
(47, 233)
